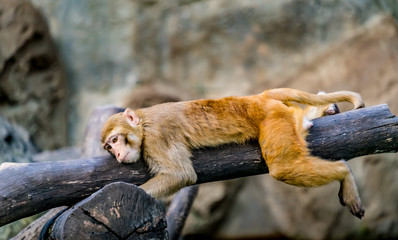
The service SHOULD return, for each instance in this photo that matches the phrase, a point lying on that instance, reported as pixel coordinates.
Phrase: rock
(15, 143)
(95, 39)
(32, 87)
(224, 47)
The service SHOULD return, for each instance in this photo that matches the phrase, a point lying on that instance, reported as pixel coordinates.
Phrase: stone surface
(95, 43)
(32, 87)
(15, 143)
(224, 47)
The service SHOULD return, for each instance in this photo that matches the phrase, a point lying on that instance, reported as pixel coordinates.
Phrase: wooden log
(26, 189)
(179, 209)
(117, 211)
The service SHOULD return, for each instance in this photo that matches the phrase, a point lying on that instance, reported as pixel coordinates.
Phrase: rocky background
(61, 58)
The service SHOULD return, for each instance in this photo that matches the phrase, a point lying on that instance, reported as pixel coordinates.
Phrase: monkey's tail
(293, 95)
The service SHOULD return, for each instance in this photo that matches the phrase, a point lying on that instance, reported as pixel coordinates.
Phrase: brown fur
(169, 131)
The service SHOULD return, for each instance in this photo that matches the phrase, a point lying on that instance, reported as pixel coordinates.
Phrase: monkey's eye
(108, 147)
(114, 139)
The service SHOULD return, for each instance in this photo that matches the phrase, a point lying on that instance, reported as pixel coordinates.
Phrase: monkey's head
(122, 136)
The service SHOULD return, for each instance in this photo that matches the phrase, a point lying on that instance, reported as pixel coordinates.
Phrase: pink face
(117, 145)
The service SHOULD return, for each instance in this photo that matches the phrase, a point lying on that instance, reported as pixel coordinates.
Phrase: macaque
(165, 134)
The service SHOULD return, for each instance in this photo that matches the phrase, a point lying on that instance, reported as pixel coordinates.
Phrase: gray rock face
(15, 144)
(95, 39)
(32, 87)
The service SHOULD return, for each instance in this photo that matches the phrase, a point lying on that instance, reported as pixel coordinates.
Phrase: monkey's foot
(349, 197)
(333, 109)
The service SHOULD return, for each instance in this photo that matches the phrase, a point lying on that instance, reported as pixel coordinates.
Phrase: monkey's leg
(348, 194)
(288, 160)
(311, 172)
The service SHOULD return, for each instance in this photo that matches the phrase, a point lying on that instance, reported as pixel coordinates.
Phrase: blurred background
(59, 59)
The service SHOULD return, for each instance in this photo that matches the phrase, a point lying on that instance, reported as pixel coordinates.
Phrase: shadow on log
(26, 189)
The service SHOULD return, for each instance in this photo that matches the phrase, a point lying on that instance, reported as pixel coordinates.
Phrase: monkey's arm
(26, 189)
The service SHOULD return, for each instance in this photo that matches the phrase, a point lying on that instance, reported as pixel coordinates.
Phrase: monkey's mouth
(131, 157)
(124, 159)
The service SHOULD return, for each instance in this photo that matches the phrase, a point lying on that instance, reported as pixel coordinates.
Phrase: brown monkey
(165, 134)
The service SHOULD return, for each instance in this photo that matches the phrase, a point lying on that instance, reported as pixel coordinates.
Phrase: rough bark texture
(26, 189)
(118, 211)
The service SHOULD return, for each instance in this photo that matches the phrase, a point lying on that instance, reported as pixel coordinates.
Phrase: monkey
(165, 134)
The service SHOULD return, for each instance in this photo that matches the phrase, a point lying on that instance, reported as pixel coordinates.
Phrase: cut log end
(117, 211)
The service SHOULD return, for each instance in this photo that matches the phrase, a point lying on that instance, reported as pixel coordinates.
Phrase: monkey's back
(202, 123)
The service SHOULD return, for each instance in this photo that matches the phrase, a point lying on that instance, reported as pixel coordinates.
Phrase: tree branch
(179, 209)
(26, 189)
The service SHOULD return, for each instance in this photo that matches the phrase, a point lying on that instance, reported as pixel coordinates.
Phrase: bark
(26, 189)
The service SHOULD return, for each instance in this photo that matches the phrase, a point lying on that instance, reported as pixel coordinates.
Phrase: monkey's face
(122, 136)
(126, 148)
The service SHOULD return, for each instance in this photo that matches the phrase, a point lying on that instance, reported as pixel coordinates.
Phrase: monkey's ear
(131, 117)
